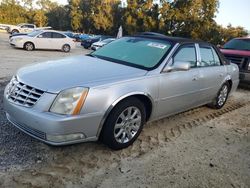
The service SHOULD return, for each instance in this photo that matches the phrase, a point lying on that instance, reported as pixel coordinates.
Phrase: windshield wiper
(91, 55)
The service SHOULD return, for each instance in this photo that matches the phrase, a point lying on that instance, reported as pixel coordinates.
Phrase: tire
(29, 46)
(121, 129)
(66, 48)
(221, 97)
(14, 31)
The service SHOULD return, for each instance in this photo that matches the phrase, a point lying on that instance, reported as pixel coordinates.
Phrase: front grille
(27, 129)
(235, 59)
(242, 62)
(22, 94)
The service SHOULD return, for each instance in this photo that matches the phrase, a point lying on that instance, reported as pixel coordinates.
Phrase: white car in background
(99, 44)
(22, 28)
(45, 39)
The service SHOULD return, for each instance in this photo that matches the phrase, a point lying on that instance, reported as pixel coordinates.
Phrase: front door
(180, 90)
(43, 41)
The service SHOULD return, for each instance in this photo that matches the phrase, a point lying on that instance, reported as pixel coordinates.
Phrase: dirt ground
(198, 148)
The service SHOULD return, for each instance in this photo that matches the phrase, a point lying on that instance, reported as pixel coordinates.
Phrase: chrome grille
(22, 94)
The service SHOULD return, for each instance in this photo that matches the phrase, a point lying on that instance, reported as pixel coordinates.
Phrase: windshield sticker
(157, 45)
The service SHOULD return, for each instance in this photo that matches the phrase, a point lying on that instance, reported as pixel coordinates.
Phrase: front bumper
(46, 126)
(245, 77)
(16, 44)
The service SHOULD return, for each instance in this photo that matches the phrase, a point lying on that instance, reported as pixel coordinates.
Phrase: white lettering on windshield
(157, 45)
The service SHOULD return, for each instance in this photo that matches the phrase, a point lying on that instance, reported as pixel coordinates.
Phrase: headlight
(70, 101)
(18, 39)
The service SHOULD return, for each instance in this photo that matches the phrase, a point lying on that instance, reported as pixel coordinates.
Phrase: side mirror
(39, 36)
(219, 46)
(178, 66)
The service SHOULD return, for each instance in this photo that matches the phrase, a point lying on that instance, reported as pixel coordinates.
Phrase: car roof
(159, 36)
(243, 38)
(47, 30)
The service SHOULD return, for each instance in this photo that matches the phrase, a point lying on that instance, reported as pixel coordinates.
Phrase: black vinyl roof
(159, 36)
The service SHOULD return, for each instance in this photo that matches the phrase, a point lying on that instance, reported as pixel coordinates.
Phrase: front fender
(104, 99)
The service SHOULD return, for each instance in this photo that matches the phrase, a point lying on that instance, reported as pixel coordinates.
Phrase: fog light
(65, 138)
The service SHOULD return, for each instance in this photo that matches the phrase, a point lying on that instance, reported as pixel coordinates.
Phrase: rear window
(208, 57)
(238, 44)
(58, 35)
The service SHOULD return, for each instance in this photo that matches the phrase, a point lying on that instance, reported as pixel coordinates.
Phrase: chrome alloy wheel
(66, 48)
(29, 46)
(223, 95)
(127, 124)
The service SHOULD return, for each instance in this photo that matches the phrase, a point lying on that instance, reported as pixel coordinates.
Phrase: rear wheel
(221, 97)
(124, 124)
(29, 46)
(66, 48)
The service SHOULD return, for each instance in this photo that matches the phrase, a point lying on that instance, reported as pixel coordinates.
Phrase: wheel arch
(29, 42)
(228, 80)
(145, 98)
(15, 29)
(66, 44)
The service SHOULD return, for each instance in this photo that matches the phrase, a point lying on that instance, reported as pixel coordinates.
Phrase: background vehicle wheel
(29, 46)
(14, 31)
(221, 97)
(66, 48)
(124, 124)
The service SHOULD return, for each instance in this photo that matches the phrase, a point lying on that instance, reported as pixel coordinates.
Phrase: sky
(236, 12)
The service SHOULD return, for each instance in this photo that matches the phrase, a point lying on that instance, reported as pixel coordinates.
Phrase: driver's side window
(24, 26)
(186, 53)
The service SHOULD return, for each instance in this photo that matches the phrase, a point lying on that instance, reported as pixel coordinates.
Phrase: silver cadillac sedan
(111, 93)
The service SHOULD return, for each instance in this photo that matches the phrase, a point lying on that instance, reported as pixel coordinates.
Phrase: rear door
(212, 72)
(180, 90)
(58, 40)
(43, 41)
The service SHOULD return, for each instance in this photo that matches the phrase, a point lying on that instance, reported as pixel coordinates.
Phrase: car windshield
(238, 44)
(34, 33)
(138, 52)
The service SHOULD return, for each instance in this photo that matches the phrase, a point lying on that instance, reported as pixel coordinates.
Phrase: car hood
(54, 76)
(99, 43)
(22, 36)
(235, 52)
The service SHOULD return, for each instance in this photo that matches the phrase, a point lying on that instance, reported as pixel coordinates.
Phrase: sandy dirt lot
(198, 148)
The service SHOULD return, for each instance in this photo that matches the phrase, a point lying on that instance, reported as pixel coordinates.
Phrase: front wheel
(29, 46)
(221, 97)
(124, 124)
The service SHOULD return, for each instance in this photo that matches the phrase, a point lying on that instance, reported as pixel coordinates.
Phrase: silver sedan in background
(111, 93)
(99, 44)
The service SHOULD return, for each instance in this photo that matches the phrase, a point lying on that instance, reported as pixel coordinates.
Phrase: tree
(61, 13)
(39, 18)
(75, 14)
(11, 12)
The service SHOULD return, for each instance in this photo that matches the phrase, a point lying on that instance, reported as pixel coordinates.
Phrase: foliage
(184, 18)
